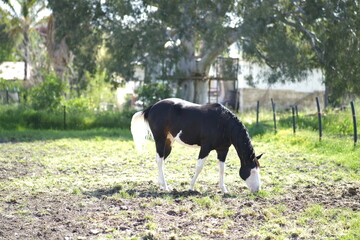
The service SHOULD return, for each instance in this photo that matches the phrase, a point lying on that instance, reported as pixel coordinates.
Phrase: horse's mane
(240, 137)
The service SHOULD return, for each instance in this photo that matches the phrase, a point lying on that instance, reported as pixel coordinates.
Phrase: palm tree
(24, 16)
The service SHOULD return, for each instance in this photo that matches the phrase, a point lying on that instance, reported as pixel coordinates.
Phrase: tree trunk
(194, 90)
(195, 67)
(201, 91)
(59, 53)
(26, 51)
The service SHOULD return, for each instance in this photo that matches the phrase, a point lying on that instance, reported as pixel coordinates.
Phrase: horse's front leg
(221, 157)
(222, 173)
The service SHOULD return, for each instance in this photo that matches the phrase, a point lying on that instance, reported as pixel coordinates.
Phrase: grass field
(93, 185)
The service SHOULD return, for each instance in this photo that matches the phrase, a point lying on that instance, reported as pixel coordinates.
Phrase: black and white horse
(211, 127)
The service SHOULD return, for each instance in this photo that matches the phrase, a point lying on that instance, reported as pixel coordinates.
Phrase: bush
(151, 93)
(77, 105)
(48, 94)
(24, 117)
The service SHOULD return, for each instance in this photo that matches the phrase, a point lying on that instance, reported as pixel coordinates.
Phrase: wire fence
(295, 117)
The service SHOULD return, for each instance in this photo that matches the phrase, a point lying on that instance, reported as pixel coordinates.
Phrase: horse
(210, 127)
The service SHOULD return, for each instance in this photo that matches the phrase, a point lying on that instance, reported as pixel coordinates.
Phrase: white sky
(45, 12)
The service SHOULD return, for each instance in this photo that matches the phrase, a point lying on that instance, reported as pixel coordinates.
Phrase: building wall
(301, 93)
(13, 71)
(314, 81)
(283, 99)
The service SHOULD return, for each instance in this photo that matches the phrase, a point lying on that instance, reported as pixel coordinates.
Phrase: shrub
(48, 94)
(151, 93)
(24, 117)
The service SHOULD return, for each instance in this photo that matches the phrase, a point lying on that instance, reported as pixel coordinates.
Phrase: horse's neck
(242, 142)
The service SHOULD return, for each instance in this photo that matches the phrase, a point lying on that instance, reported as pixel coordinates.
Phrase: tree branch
(210, 54)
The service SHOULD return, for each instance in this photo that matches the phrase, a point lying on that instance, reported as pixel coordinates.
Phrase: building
(301, 93)
(11, 71)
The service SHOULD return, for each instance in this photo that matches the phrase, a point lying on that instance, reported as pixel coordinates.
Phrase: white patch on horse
(182, 102)
(253, 181)
(178, 139)
(199, 166)
(160, 164)
(221, 173)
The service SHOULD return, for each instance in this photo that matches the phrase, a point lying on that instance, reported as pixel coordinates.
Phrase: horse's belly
(180, 138)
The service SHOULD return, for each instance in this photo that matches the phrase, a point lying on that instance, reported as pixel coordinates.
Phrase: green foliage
(48, 94)
(291, 37)
(97, 89)
(268, 40)
(77, 105)
(7, 43)
(81, 30)
(333, 122)
(10, 84)
(153, 92)
(78, 116)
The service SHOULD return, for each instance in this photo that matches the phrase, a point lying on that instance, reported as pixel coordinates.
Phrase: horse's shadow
(151, 192)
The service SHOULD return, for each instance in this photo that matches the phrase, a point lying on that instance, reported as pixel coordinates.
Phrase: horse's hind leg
(163, 149)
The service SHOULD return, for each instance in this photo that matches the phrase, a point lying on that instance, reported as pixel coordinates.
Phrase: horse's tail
(140, 128)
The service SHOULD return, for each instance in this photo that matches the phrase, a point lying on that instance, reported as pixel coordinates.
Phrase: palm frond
(13, 11)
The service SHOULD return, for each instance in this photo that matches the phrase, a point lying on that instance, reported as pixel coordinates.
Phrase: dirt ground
(98, 214)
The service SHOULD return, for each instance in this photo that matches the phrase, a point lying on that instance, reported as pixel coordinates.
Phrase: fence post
(296, 110)
(18, 93)
(319, 117)
(64, 117)
(274, 114)
(257, 112)
(7, 95)
(294, 119)
(354, 122)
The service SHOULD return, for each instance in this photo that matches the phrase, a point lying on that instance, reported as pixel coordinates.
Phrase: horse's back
(173, 113)
(193, 122)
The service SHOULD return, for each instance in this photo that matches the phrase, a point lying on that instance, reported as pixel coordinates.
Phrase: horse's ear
(258, 157)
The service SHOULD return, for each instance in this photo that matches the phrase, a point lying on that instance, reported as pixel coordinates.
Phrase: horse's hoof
(166, 189)
(224, 189)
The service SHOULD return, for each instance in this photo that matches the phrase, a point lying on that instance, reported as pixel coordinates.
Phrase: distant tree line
(291, 37)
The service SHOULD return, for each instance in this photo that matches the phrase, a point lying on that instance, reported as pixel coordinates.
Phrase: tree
(322, 34)
(7, 43)
(182, 38)
(23, 21)
(188, 35)
(76, 29)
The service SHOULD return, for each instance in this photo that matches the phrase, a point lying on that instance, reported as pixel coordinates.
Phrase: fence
(295, 117)
(8, 96)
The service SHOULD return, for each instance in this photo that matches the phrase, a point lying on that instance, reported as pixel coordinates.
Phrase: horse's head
(250, 172)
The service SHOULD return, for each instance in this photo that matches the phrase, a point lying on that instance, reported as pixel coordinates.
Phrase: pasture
(93, 185)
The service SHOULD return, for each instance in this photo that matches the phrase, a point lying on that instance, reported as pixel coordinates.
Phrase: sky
(45, 12)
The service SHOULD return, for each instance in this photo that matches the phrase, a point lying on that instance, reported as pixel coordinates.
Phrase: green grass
(95, 180)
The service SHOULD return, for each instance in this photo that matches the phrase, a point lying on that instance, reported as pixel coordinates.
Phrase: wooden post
(319, 117)
(294, 119)
(257, 112)
(274, 114)
(354, 122)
